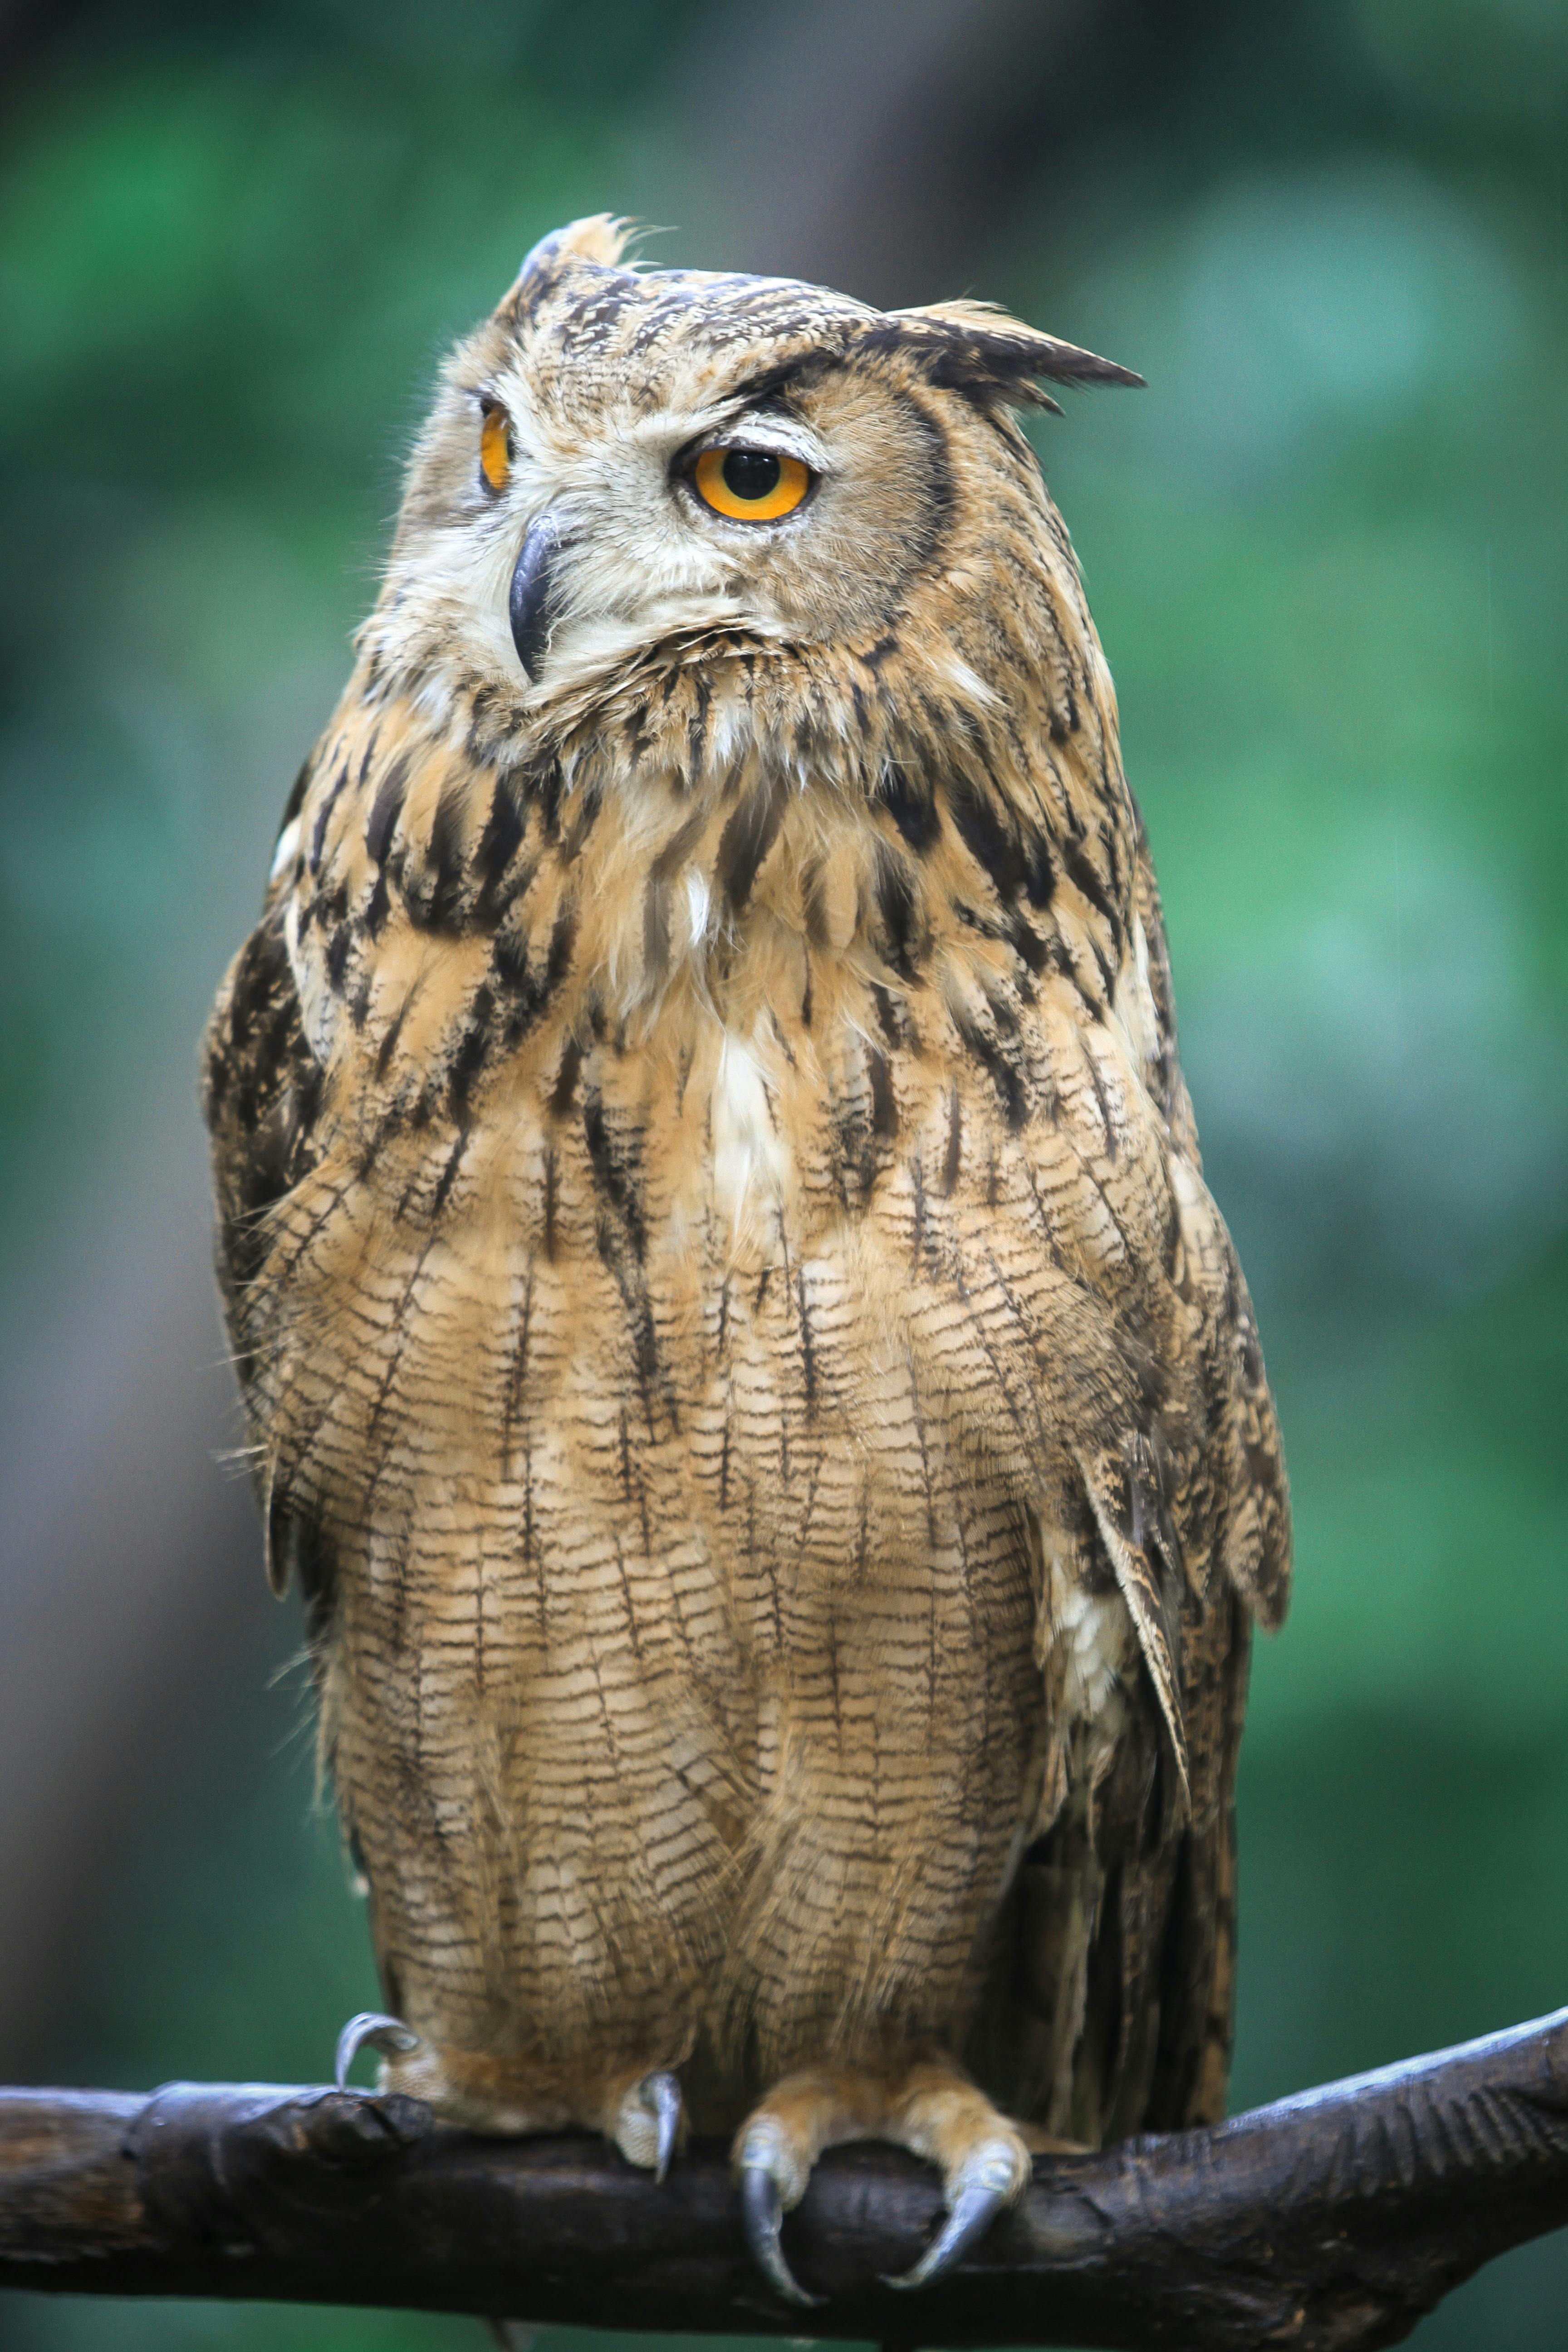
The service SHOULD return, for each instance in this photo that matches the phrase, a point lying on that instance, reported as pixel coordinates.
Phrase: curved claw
(372, 2028)
(973, 2211)
(662, 2091)
(763, 2208)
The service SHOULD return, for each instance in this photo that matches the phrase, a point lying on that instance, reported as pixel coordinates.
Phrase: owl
(739, 1356)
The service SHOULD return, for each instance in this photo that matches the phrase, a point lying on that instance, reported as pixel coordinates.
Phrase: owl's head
(623, 462)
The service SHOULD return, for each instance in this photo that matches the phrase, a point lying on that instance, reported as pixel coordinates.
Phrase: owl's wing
(1109, 2002)
(261, 1097)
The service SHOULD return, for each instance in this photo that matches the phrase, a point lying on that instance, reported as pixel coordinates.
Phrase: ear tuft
(977, 349)
(600, 239)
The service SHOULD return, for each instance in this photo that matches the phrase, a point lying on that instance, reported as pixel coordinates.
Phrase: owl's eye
(749, 485)
(495, 448)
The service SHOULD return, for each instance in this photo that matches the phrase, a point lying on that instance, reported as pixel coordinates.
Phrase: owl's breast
(708, 1226)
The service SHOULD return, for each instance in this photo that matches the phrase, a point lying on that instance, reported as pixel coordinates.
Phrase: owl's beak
(529, 603)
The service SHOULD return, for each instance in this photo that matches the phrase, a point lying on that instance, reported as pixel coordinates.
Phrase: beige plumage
(764, 1413)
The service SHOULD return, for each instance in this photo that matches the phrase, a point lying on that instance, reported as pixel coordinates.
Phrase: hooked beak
(530, 601)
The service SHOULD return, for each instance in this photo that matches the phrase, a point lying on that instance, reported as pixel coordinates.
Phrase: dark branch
(1333, 2220)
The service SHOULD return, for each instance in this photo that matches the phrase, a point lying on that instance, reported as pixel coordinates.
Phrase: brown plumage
(740, 1358)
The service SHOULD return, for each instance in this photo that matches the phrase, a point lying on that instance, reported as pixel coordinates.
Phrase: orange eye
(495, 448)
(751, 485)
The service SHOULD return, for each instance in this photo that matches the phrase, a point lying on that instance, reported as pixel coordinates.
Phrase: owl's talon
(762, 2205)
(664, 2091)
(648, 2121)
(985, 2184)
(371, 2028)
(973, 2214)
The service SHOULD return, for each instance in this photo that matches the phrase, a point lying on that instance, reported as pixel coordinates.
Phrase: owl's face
(620, 459)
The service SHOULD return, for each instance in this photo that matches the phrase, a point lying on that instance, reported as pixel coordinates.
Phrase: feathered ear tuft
(600, 239)
(977, 349)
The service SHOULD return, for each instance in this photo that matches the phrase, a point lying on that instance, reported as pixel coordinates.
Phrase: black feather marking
(638, 1309)
(449, 1172)
(1000, 1062)
(563, 938)
(472, 1049)
(586, 807)
(813, 908)
(807, 1347)
(884, 1104)
(910, 803)
(887, 1014)
(545, 785)
(433, 900)
(388, 1045)
(262, 967)
(614, 1171)
(499, 842)
(551, 1187)
(1027, 943)
(697, 726)
(386, 809)
(899, 904)
(566, 1079)
(990, 838)
(318, 829)
(518, 1371)
(1082, 872)
(528, 993)
(747, 836)
(1039, 874)
(952, 1157)
(375, 906)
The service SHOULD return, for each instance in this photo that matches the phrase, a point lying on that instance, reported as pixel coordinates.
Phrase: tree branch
(1328, 2222)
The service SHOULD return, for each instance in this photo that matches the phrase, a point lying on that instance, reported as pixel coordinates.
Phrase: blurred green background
(1326, 551)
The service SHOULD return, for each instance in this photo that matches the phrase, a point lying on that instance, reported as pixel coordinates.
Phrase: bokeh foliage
(1326, 553)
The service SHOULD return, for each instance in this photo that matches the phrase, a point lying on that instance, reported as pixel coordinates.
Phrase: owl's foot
(930, 2109)
(988, 2166)
(643, 2113)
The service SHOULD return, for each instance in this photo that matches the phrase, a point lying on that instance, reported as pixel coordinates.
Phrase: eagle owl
(764, 1415)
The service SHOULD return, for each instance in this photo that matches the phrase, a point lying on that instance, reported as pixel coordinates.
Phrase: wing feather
(1108, 2006)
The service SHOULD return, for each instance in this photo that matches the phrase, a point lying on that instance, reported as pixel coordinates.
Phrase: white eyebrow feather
(782, 437)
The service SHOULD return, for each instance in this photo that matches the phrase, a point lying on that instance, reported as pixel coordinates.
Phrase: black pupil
(750, 473)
